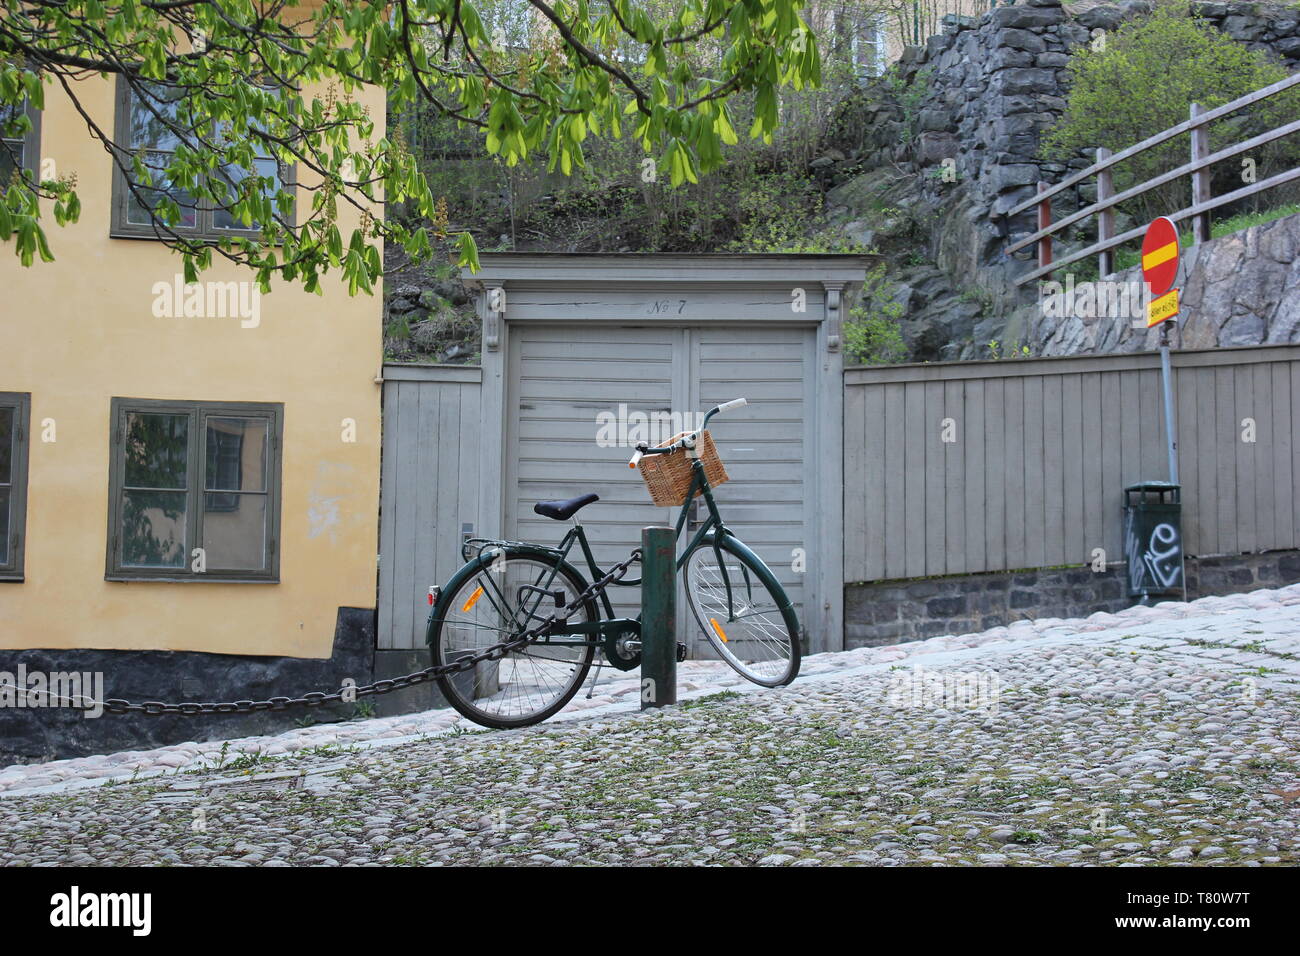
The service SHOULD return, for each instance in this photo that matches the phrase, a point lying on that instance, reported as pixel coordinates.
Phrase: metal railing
(1107, 199)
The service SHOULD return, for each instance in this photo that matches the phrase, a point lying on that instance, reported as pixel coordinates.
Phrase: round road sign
(1160, 255)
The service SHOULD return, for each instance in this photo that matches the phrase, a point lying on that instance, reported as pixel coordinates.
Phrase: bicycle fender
(438, 612)
(764, 572)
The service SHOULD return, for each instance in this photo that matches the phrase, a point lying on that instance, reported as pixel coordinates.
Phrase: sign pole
(1160, 254)
(1171, 439)
(1167, 383)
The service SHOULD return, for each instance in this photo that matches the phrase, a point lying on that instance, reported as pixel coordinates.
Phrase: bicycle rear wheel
(492, 600)
(743, 611)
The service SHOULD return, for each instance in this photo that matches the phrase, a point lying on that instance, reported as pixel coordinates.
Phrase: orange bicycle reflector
(717, 629)
(473, 599)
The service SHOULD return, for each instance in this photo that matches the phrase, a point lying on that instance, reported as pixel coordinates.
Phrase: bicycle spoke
(503, 600)
(739, 616)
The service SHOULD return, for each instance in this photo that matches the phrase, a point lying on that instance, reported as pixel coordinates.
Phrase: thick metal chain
(154, 708)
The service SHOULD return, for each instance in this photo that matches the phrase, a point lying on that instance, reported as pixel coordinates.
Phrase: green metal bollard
(658, 617)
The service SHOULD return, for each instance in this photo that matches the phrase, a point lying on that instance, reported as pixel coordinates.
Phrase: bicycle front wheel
(495, 599)
(743, 611)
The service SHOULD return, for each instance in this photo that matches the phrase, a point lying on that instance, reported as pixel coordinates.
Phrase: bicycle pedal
(681, 652)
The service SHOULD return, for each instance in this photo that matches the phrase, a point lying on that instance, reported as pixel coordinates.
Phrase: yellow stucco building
(185, 468)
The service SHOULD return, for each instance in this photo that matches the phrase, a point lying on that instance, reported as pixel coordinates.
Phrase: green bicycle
(507, 588)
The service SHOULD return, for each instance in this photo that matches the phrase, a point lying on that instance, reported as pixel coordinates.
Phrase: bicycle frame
(711, 522)
(598, 630)
(611, 625)
(514, 582)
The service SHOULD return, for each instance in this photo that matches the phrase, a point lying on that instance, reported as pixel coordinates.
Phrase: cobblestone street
(1167, 735)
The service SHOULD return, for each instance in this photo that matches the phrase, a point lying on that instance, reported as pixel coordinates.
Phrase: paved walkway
(1158, 735)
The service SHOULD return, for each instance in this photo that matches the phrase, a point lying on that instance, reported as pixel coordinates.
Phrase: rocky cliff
(923, 164)
(951, 142)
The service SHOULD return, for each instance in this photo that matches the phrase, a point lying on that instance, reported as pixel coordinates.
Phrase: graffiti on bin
(1160, 559)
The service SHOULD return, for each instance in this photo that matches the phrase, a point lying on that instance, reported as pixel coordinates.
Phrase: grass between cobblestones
(1090, 756)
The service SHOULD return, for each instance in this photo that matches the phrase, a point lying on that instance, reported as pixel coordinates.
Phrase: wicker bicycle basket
(668, 476)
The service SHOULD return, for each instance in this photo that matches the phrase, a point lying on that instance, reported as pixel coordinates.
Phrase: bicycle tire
(452, 618)
(766, 622)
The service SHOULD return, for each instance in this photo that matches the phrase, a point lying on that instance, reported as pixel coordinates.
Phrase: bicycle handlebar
(642, 449)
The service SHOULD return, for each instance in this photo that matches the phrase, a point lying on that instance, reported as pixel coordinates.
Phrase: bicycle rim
(495, 604)
(751, 633)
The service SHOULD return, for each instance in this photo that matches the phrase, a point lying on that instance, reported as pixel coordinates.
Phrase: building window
(148, 127)
(880, 46)
(15, 408)
(866, 43)
(194, 491)
(19, 148)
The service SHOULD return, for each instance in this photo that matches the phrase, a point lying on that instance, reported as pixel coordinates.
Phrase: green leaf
(468, 252)
(722, 124)
(35, 90)
(565, 102)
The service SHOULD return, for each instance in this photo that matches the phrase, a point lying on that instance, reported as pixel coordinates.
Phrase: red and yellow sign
(1163, 308)
(1160, 255)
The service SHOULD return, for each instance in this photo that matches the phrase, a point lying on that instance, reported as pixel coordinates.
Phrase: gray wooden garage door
(564, 377)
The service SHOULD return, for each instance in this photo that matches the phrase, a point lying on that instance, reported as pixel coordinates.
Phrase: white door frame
(604, 289)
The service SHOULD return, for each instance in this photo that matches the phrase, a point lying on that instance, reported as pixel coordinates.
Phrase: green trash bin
(1153, 540)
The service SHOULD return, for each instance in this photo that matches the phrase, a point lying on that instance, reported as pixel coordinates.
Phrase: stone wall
(890, 612)
(429, 312)
(1242, 289)
(952, 139)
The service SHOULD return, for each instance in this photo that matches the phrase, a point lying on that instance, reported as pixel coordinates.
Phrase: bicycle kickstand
(591, 688)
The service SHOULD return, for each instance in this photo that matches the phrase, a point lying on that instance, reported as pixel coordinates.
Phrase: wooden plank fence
(429, 488)
(1041, 450)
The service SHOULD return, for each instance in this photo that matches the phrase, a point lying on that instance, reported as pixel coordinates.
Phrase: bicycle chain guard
(614, 643)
